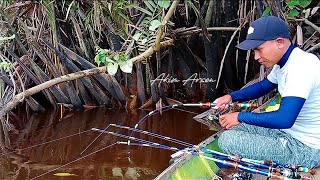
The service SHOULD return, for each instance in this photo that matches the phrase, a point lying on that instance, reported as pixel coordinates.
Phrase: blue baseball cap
(264, 29)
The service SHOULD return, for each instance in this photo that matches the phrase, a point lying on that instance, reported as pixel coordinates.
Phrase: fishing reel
(242, 176)
(215, 114)
(289, 172)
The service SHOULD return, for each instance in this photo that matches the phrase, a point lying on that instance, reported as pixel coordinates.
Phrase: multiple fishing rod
(267, 168)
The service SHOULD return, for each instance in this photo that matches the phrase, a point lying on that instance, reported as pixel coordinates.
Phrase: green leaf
(97, 59)
(154, 25)
(123, 56)
(112, 68)
(126, 66)
(293, 3)
(108, 60)
(143, 10)
(102, 59)
(116, 57)
(293, 13)
(267, 11)
(5, 65)
(7, 38)
(150, 7)
(136, 36)
(143, 42)
(304, 3)
(164, 3)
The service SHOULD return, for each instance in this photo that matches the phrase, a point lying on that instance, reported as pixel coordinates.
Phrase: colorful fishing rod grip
(248, 105)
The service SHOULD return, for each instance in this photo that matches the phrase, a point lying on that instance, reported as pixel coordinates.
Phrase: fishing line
(95, 139)
(183, 110)
(169, 107)
(78, 133)
(87, 155)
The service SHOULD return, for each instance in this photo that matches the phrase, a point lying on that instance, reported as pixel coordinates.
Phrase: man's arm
(283, 118)
(254, 91)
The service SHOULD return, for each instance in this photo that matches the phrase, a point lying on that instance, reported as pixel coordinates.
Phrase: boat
(193, 166)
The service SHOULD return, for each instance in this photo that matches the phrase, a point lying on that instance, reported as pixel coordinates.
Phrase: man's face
(269, 53)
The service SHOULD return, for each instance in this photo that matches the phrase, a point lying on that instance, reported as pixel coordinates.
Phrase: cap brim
(249, 44)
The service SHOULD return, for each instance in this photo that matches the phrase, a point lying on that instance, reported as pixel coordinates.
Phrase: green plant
(3, 39)
(5, 65)
(152, 21)
(292, 8)
(113, 60)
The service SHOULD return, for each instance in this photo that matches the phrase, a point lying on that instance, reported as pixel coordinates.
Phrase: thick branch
(20, 97)
(311, 24)
(193, 30)
(151, 50)
(164, 23)
(313, 48)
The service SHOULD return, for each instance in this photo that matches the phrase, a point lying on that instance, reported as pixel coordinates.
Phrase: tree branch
(69, 77)
(164, 23)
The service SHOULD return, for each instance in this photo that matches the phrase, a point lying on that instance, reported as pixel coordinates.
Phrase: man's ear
(280, 42)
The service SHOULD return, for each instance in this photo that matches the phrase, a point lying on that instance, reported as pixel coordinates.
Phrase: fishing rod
(259, 164)
(136, 139)
(101, 134)
(225, 159)
(237, 158)
(205, 105)
(266, 164)
(239, 166)
(154, 135)
(143, 144)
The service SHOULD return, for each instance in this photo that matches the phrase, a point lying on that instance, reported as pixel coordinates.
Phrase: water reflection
(116, 162)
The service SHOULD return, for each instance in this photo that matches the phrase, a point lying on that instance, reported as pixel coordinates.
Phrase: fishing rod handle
(235, 104)
(249, 105)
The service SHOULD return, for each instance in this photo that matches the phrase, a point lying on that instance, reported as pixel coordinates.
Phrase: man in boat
(290, 134)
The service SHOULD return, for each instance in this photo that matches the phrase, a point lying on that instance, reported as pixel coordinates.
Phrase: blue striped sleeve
(254, 91)
(283, 118)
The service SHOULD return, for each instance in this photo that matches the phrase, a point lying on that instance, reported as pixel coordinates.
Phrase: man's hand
(229, 120)
(223, 102)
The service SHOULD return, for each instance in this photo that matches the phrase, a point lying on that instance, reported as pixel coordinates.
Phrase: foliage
(5, 65)
(113, 60)
(292, 8)
(152, 21)
(3, 39)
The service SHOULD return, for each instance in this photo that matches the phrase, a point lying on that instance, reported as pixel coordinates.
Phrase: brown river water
(115, 162)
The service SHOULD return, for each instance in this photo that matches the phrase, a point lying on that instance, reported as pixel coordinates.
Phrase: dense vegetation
(124, 45)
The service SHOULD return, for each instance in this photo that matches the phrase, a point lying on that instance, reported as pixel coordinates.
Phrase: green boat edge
(190, 166)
